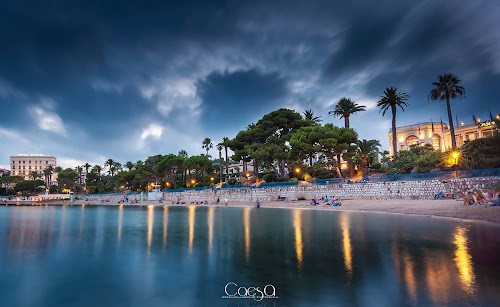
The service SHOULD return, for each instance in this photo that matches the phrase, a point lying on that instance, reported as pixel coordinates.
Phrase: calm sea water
(185, 256)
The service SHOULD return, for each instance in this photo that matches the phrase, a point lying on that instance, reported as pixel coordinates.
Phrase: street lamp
(455, 155)
(211, 178)
(297, 170)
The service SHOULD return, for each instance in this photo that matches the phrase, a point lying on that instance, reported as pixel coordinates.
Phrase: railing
(358, 180)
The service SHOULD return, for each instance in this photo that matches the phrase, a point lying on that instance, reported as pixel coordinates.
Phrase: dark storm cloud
(111, 70)
(231, 99)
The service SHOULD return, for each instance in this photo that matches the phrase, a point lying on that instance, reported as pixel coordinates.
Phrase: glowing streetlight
(297, 170)
(247, 174)
(211, 178)
(455, 155)
(168, 184)
(193, 181)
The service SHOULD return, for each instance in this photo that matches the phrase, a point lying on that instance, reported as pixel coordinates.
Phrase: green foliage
(481, 153)
(66, 178)
(428, 161)
(27, 186)
(376, 166)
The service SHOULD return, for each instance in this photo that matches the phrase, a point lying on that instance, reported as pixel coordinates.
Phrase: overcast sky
(91, 80)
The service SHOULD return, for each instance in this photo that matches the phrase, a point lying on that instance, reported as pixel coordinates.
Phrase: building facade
(24, 164)
(438, 135)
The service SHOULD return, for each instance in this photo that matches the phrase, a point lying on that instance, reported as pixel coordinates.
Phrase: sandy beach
(450, 208)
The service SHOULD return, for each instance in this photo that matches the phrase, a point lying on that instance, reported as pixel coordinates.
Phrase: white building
(439, 136)
(24, 164)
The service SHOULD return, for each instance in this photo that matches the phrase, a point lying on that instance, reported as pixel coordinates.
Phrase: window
(29, 167)
(46, 162)
(436, 142)
(24, 161)
(411, 141)
(29, 162)
(24, 167)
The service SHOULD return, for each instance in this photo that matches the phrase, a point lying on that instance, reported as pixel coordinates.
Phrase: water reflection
(463, 259)
(438, 277)
(409, 267)
(82, 217)
(210, 218)
(346, 243)
(191, 227)
(297, 226)
(120, 219)
(151, 213)
(246, 225)
(165, 225)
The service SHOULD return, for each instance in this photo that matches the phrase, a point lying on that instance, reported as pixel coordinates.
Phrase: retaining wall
(424, 189)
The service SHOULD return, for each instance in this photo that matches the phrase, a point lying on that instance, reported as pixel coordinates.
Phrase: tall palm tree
(109, 164)
(46, 174)
(219, 148)
(225, 143)
(183, 153)
(129, 165)
(448, 86)
(345, 108)
(392, 98)
(365, 148)
(97, 169)
(79, 170)
(34, 175)
(310, 117)
(207, 144)
(50, 170)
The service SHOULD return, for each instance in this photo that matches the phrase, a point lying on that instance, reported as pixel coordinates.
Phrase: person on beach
(225, 201)
(470, 199)
(258, 203)
(480, 198)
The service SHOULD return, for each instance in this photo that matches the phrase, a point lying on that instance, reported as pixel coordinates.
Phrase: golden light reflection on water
(346, 243)
(438, 277)
(120, 219)
(299, 246)
(192, 210)
(409, 271)
(151, 213)
(463, 259)
(165, 225)
(246, 225)
(210, 218)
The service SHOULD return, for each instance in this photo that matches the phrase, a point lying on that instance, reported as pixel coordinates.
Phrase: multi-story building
(438, 135)
(24, 164)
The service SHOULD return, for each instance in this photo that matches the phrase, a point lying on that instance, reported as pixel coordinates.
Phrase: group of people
(326, 201)
(480, 198)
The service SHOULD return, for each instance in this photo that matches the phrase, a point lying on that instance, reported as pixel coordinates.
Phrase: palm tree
(50, 170)
(47, 173)
(129, 165)
(79, 170)
(183, 153)
(345, 108)
(207, 144)
(310, 117)
(365, 148)
(34, 175)
(219, 148)
(448, 86)
(97, 169)
(109, 164)
(392, 98)
(225, 143)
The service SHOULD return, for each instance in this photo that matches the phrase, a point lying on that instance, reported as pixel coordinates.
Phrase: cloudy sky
(91, 80)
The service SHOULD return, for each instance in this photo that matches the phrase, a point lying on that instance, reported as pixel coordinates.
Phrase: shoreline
(448, 208)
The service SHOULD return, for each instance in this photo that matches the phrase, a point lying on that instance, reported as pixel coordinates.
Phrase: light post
(297, 171)
(455, 155)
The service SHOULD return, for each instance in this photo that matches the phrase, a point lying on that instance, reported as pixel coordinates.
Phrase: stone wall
(424, 189)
